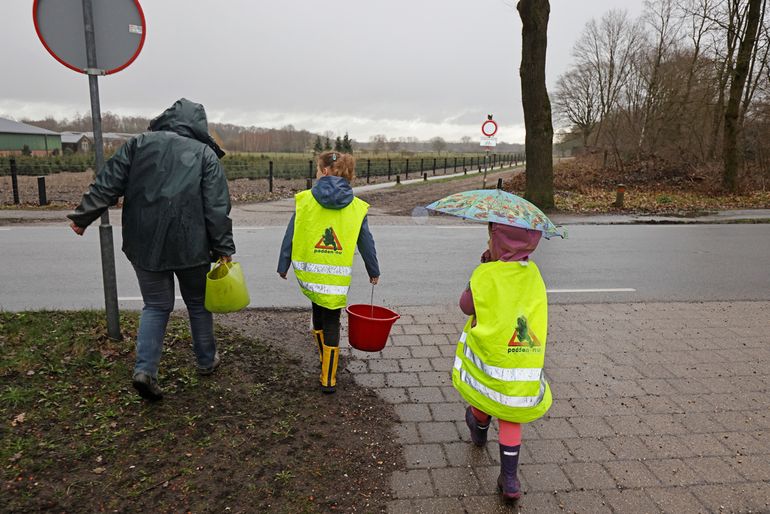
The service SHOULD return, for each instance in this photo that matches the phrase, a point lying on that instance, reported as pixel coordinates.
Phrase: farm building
(76, 142)
(17, 138)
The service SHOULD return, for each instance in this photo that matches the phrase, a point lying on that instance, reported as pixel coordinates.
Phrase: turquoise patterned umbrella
(497, 206)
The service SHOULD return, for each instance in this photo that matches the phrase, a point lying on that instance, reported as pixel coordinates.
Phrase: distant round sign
(489, 128)
(119, 31)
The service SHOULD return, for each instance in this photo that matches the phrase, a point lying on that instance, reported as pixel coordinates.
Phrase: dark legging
(327, 320)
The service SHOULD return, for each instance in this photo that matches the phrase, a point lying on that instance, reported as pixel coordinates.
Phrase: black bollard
(270, 177)
(41, 191)
(14, 182)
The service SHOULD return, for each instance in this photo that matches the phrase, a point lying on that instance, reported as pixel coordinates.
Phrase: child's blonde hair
(339, 164)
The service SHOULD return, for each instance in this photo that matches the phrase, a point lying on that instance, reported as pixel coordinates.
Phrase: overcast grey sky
(419, 68)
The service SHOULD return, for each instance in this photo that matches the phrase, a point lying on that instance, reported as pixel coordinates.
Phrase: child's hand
(282, 275)
(373, 280)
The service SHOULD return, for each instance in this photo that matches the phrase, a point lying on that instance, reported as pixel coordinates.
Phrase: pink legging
(510, 433)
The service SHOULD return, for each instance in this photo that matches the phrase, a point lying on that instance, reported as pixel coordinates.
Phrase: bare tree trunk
(537, 107)
(732, 133)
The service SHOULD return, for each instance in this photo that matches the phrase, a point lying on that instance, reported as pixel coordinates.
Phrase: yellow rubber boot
(330, 357)
(318, 335)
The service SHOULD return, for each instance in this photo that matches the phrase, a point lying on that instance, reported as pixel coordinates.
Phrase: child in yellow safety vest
(328, 224)
(498, 365)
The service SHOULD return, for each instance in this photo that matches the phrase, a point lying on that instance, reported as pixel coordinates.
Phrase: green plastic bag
(226, 288)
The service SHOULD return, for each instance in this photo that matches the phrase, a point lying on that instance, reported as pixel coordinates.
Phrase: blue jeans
(158, 294)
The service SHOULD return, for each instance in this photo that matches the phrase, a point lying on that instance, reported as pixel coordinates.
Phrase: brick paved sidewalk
(657, 408)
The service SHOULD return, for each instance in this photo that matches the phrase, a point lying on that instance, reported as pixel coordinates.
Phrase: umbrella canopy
(497, 206)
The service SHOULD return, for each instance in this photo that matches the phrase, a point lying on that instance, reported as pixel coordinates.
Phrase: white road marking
(611, 290)
(249, 228)
(5, 229)
(137, 298)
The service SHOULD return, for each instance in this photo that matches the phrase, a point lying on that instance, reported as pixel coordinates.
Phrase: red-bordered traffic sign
(120, 27)
(489, 128)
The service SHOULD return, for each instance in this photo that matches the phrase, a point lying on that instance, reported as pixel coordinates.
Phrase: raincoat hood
(508, 243)
(333, 192)
(188, 119)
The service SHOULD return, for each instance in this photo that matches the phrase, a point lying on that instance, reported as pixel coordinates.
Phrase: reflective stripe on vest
(508, 401)
(323, 247)
(504, 374)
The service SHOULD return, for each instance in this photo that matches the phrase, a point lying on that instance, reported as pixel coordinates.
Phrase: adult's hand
(78, 230)
(226, 258)
(282, 275)
(374, 280)
(486, 256)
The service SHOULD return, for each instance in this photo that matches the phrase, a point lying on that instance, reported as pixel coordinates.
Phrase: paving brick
(583, 502)
(588, 449)
(699, 422)
(455, 481)
(714, 470)
(435, 378)
(675, 500)
(412, 412)
(673, 472)
(545, 503)
(437, 506)
(393, 394)
(665, 424)
(593, 426)
(742, 443)
(545, 477)
(442, 363)
(356, 366)
(402, 379)
(424, 456)
(372, 380)
(406, 433)
(588, 475)
(754, 468)
(438, 431)
(448, 350)
(631, 474)
(554, 428)
(400, 507)
(405, 340)
(746, 497)
(628, 425)
(447, 411)
(451, 394)
(425, 352)
(670, 446)
(425, 394)
(464, 454)
(705, 445)
(396, 352)
(629, 501)
(384, 366)
(416, 329)
(445, 328)
(411, 484)
(545, 451)
(416, 365)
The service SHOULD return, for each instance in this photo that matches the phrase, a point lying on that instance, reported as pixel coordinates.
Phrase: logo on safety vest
(523, 338)
(329, 242)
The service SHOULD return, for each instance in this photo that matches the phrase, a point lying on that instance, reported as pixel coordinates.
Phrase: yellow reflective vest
(499, 359)
(323, 246)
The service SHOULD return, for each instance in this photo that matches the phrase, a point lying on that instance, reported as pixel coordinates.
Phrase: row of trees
(689, 80)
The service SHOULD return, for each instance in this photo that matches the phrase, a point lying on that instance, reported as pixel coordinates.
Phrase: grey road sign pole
(105, 229)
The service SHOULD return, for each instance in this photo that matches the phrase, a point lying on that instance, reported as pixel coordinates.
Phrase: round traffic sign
(489, 128)
(119, 32)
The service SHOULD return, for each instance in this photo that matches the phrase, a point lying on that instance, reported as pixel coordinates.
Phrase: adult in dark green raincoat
(176, 207)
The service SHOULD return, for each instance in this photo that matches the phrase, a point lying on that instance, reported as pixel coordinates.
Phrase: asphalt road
(44, 267)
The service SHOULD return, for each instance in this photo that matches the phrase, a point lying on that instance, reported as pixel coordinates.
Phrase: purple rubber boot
(478, 432)
(508, 482)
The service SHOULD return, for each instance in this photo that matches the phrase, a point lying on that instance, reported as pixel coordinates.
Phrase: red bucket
(369, 326)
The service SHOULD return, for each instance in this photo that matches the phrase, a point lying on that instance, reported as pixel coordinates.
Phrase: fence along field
(287, 165)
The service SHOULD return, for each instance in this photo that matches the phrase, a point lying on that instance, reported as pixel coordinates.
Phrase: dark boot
(478, 431)
(508, 482)
(147, 386)
(318, 335)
